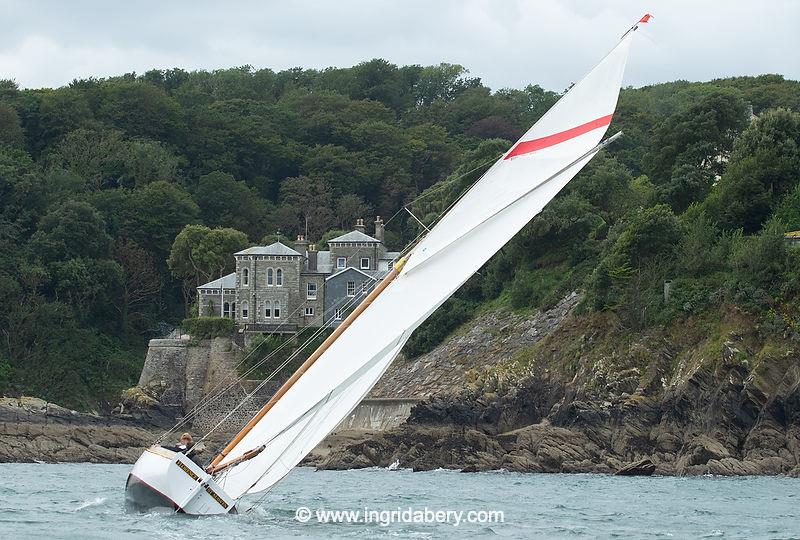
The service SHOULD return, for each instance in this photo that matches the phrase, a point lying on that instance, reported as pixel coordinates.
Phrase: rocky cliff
(560, 392)
(33, 430)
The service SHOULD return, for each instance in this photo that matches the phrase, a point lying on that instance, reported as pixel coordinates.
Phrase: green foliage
(119, 196)
(453, 313)
(762, 170)
(208, 327)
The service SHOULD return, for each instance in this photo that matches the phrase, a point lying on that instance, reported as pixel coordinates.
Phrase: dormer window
(365, 263)
(341, 262)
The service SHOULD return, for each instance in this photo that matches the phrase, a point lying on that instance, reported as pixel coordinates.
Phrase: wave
(97, 501)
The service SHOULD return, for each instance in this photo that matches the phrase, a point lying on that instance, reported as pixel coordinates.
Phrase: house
(792, 238)
(283, 289)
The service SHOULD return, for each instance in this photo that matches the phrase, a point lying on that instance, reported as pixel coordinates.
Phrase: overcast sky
(507, 43)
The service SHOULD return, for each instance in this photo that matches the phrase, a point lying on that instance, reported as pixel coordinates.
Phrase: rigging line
(410, 213)
(277, 370)
(211, 397)
(208, 400)
(594, 150)
(434, 189)
(361, 370)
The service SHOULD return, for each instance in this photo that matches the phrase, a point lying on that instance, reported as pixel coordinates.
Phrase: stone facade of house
(283, 289)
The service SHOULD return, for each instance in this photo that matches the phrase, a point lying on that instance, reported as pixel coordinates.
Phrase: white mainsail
(507, 197)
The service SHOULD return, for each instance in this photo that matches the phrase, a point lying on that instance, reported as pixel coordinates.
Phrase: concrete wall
(375, 414)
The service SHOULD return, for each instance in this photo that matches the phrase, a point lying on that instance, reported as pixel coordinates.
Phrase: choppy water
(86, 501)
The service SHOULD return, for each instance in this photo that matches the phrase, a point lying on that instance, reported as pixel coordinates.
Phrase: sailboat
(337, 376)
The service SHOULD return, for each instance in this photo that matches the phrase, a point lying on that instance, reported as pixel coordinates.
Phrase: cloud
(507, 44)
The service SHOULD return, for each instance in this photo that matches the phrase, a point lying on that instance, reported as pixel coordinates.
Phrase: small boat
(337, 376)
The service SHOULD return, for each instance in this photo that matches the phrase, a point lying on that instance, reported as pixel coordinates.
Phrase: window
(269, 277)
(268, 309)
(245, 277)
(276, 309)
(311, 291)
(365, 286)
(245, 310)
(226, 309)
(279, 277)
(309, 311)
(337, 316)
(365, 263)
(351, 288)
(341, 262)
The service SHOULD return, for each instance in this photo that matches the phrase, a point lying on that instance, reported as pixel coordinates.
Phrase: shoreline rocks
(32, 429)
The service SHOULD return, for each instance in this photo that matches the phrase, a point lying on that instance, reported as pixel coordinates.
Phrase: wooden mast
(212, 468)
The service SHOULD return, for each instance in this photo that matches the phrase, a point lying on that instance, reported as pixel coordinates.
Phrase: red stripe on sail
(526, 147)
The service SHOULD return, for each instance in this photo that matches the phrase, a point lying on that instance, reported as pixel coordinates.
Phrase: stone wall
(186, 370)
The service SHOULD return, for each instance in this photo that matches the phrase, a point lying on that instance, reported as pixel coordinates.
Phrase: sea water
(86, 501)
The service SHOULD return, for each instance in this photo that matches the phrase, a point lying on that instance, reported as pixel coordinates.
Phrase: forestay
(514, 190)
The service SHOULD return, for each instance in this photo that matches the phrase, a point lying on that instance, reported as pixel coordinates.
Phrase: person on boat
(185, 446)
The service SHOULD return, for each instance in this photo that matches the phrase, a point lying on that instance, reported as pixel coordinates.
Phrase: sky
(507, 43)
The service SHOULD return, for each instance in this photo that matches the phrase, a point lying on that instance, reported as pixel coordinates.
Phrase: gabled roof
(227, 282)
(273, 249)
(354, 236)
(350, 269)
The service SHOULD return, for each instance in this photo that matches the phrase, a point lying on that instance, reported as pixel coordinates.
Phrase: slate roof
(273, 249)
(227, 282)
(354, 236)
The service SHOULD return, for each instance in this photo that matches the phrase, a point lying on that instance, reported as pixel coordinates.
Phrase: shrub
(208, 327)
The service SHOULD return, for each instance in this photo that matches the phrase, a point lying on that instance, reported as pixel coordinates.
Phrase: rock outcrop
(33, 430)
(589, 398)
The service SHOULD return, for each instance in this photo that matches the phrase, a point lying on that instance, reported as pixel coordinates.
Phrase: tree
(311, 200)
(72, 230)
(699, 134)
(10, 128)
(142, 110)
(200, 254)
(226, 202)
(140, 282)
(762, 169)
(349, 208)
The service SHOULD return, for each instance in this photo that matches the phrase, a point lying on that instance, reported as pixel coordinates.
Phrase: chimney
(379, 229)
(301, 245)
(312, 258)
(360, 225)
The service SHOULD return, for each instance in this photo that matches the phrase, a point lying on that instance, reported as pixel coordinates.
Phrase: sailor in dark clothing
(188, 447)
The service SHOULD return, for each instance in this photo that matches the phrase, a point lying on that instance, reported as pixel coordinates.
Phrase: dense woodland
(118, 196)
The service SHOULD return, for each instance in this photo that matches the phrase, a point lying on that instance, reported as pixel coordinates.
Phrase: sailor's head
(186, 439)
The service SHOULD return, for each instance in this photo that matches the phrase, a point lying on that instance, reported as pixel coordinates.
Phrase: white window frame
(245, 277)
(270, 277)
(337, 314)
(362, 265)
(226, 309)
(279, 278)
(276, 309)
(268, 309)
(341, 262)
(245, 310)
(309, 311)
(351, 291)
(309, 294)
